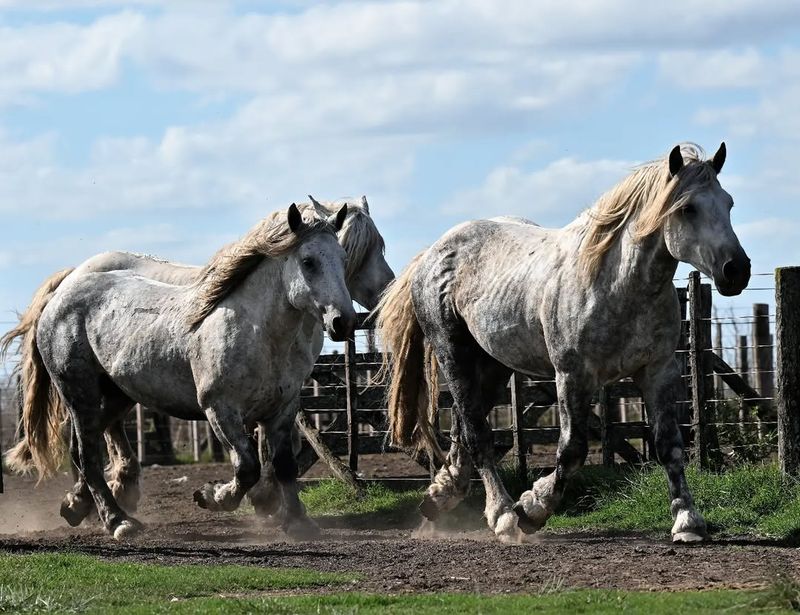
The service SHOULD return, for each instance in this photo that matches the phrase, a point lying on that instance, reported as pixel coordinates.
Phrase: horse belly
(515, 346)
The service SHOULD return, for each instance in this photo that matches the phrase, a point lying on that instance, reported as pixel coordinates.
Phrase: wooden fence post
(140, 448)
(787, 340)
(605, 428)
(351, 387)
(697, 348)
(517, 425)
(195, 431)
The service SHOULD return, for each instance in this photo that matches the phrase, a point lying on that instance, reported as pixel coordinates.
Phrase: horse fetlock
(75, 508)
(126, 493)
(301, 528)
(265, 500)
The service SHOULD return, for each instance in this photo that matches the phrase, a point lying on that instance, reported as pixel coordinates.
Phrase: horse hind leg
(534, 507)
(265, 494)
(77, 503)
(124, 468)
(452, 482)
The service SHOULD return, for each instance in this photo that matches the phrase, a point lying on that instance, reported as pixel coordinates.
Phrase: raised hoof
(524, 522)
(689, 537)
(200, 498)
(127, 529)
(73, 514)
(506, 529)
(429, 509)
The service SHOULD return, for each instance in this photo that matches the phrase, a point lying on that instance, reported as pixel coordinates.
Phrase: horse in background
(96, 343)
(585, 305)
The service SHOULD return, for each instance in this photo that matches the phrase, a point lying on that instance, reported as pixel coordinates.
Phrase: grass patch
(754, 500)
(330, 497)
(79, 583)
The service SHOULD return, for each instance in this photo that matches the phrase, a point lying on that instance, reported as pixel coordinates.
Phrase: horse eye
(689, 209)
(308, 263)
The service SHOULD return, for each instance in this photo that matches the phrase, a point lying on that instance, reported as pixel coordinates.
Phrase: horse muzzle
(339, 325)
(735, 276)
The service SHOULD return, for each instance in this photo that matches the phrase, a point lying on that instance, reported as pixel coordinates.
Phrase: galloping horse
(96, 343)
(366, 275)
(587, 304)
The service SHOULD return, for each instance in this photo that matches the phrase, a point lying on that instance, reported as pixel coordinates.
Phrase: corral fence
(740, 369)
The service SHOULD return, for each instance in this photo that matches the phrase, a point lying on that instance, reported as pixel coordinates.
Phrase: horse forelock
(645, 198)
(230, 266)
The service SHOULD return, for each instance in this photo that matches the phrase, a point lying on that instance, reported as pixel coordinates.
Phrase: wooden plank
(605, 429)
(787, 339)
(737, 384)
(313, 437)
(762, 353)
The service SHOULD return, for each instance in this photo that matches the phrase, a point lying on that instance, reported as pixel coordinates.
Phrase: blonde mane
(229, 267)
(647, 197)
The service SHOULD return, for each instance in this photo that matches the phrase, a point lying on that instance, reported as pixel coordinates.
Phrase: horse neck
(638, 268)
(265, 301)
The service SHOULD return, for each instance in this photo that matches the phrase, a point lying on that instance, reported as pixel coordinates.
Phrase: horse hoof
(524, 522)
(74, 511)
(302, 530)
(127, 529)
(429, 509)
(689, 537)
(506, 529)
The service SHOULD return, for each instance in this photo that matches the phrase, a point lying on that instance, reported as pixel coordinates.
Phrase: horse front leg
(537, 505)
(660, 385)
(229, 428)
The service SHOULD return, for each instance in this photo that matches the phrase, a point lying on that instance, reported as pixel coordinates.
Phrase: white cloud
(552, 195)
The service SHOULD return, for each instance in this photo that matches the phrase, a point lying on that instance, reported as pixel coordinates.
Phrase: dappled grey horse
(366, 276)
(94, 344)
(587, 304)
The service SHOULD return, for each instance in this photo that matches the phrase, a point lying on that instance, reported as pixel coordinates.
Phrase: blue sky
(171, 128)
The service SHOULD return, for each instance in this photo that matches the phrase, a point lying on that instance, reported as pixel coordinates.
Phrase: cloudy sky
(170, 128)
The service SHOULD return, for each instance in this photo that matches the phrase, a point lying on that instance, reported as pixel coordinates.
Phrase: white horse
(587, 304)
(367, 275)
(96, 343)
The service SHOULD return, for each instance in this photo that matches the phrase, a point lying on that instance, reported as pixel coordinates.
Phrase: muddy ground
(387, 553)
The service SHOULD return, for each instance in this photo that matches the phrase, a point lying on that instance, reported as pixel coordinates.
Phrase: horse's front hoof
(524, 522)
(127, 529)
(429, 509)
(689, 537)
(506, 528)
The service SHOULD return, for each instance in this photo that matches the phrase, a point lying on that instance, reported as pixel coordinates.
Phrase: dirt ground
(390, 559)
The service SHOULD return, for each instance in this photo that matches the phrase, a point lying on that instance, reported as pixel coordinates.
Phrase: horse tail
(43, 412)
(413, 391)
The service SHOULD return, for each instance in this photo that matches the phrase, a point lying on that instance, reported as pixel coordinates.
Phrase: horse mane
(231, 265)
(648, 196)
(359, 235)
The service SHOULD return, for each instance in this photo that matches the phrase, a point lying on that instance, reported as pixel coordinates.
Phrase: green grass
(754, 500)
(331, 497)
(71, 583)
(76, 583)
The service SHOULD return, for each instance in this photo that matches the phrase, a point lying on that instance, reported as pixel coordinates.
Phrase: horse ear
(675, 161)
(719, 157)
(294, 217)
(315, 202)
(364, 204)
(338, 220)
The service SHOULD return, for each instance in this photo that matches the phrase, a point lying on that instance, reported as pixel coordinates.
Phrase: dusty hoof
(429, 509)
(302, 529)
(127, 529)
(205, 496)
(507, 530)
(74, 511)
(265, 505)
(689, 537)
(525, 523)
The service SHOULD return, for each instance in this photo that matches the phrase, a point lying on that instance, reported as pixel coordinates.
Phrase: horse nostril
(730, 271)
